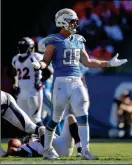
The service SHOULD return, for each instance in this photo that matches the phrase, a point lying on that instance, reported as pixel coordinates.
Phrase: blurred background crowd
(107, 27)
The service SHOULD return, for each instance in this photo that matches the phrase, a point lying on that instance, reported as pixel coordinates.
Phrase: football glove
(116, 62)
(46, 73)
(16, 89)
(36, 65)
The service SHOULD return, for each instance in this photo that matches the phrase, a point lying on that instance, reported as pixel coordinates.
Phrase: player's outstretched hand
(116, 62)
(36, 65)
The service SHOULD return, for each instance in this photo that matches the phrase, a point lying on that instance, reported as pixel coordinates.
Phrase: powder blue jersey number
(71, 57)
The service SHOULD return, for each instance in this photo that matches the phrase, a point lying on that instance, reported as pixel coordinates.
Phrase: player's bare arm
(94, 63)
(47, 56)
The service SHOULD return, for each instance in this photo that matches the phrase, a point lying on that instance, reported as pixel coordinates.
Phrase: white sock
(48, 139)
(84, 136)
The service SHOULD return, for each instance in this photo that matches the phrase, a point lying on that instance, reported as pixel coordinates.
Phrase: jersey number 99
(71, 57)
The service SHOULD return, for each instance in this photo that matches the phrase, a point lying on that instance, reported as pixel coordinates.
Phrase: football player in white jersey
(11, 112)
(64, 144)
(28, 80)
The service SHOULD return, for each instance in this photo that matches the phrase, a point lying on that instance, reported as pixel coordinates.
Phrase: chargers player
(66, 50)
(28, 80)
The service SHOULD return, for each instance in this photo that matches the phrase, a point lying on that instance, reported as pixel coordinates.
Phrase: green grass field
(113, 152)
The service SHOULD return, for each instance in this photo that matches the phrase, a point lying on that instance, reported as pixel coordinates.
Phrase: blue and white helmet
(63, 18)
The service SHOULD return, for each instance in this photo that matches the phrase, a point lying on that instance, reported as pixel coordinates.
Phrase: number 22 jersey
(27, 75)
(66, 58)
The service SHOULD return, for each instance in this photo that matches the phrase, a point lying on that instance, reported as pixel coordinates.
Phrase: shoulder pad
(79, 37)
(14, 59)
(38, 56)
(52, 37)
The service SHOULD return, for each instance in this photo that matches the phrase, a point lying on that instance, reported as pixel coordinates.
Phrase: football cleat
(78, 154)
(50, 154)
(86, 155)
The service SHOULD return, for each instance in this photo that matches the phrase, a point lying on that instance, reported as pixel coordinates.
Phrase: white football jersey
(27, 76)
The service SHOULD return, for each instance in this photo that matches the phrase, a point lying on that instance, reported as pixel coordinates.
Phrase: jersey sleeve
(51, 39)
(82, 42)
(38, 56)
(14, 61)
(82, 39)
(48, 41)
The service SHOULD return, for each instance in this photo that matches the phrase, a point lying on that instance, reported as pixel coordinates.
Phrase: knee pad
(82, 120)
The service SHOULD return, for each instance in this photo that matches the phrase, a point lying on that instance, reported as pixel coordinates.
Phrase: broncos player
(11, 112)
(28, 80)
(32, 147)
(66, 50)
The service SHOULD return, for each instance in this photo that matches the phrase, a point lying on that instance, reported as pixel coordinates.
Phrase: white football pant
(16, 116)
(32, 105)
(72, 89)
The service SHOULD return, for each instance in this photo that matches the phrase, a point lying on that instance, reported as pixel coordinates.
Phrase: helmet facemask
(72, 26)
